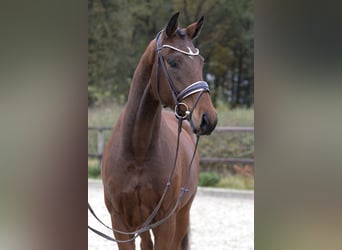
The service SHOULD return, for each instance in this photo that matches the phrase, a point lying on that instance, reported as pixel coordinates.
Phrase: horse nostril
(205, 124)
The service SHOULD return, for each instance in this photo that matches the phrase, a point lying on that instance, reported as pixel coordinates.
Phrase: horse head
(179, 80)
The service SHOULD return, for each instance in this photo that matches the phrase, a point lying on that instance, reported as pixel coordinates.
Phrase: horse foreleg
(182, 237)
(146, 242)
(164, 235)
(118, 224)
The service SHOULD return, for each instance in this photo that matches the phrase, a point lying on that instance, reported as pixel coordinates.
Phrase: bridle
(196, 87)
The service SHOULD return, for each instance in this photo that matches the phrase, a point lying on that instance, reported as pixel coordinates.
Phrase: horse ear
(194, 29)
(172, 25)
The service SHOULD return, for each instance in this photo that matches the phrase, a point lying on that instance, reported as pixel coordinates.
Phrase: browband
(189, 53)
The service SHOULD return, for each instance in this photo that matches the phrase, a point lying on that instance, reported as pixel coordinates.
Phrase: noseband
(196, 87)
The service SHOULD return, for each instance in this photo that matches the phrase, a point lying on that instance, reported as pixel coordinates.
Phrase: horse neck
(143, 112)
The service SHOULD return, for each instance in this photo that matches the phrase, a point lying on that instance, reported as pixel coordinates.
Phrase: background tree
(119, 32)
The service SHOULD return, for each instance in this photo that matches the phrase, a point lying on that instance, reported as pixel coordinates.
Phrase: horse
(143, 171)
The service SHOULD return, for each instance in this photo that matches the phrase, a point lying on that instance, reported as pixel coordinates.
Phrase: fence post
(100, 144)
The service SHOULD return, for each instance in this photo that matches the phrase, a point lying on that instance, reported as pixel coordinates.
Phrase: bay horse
(143, 171)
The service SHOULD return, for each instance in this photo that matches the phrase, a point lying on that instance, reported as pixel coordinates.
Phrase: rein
(197, 87)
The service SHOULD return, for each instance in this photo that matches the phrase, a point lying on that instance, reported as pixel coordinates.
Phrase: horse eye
(172, 63)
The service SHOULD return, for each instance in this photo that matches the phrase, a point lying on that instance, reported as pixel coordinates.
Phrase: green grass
(94, 171)
(108, 114)
(105, 115)
(236, 182)
(208, 179)
(236, 117)
(226, 145)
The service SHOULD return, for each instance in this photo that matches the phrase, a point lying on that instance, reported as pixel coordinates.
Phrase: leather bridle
(196, 87)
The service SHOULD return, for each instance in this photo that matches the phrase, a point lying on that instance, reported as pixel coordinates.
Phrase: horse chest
(136, 191)
(131, 177)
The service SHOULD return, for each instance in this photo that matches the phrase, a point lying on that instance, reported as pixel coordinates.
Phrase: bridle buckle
(181, 114)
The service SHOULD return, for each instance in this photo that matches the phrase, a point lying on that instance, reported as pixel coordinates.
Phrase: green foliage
(233, 144)
(208, 179)
(237, 182)
(94, 172)
(119, 31)
(110, 64)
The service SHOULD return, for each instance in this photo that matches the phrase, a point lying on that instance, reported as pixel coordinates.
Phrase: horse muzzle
(206, 125)
(203, 118)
